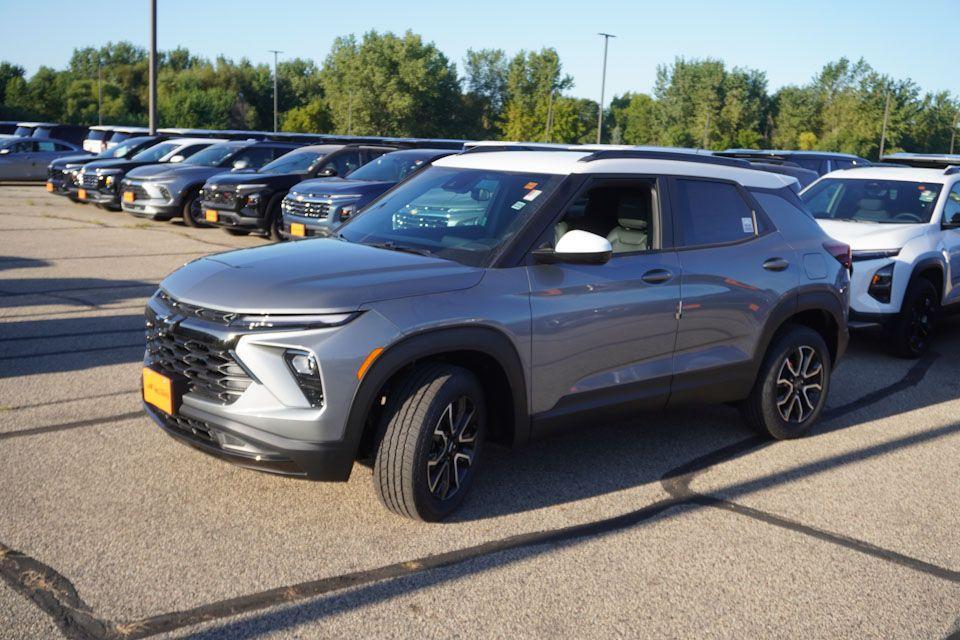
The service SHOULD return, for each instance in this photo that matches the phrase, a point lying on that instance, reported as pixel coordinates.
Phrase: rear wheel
(430, 448)
(913, 328)
(791, 388)
(192, 211)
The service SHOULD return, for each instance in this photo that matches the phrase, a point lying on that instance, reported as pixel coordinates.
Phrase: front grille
(307, 208)
(139, 193)
(224, 198)
(210, 369)
(90, 181)
(190, 427)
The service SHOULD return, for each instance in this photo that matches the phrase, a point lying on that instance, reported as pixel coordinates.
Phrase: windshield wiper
(399, 247)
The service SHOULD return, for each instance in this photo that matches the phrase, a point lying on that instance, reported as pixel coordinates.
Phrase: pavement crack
(52, 428)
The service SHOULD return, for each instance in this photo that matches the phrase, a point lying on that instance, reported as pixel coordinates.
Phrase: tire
(192, 212)
(910, 333)
(798, 357)
(238, 232)
(275, 219)
(414, 473)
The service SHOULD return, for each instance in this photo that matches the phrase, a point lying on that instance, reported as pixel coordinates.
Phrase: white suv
(903, 224)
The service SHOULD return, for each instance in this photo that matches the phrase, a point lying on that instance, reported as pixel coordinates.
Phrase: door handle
(776, 264)
(656, 276)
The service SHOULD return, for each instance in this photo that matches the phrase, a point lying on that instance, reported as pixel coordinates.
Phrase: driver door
(603, 334)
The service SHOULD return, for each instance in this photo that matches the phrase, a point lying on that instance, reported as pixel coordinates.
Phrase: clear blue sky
(789, 40)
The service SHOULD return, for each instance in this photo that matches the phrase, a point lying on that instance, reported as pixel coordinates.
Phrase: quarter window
(712, 213)
(951, 208)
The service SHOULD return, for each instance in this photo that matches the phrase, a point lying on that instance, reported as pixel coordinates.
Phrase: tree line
(400, 85)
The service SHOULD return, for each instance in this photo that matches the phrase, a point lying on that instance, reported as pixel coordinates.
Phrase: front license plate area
(129, 196)
(82, 194)
(297, 229)
(162, 392)
(210, 215)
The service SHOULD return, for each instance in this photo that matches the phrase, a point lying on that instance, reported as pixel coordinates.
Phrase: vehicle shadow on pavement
(16, 262)
(69, 344)
(23, 292)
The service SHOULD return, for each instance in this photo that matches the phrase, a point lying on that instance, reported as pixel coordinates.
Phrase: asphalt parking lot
(683, 524)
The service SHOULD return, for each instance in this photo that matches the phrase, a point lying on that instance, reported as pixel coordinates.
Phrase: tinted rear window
(712, 213)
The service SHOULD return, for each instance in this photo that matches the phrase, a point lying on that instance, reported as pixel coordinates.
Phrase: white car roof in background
(880, 172)
(568, 162)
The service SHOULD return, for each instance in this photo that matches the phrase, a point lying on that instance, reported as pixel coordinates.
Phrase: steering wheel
(907, 216)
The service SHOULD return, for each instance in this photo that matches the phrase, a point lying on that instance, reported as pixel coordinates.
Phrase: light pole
(99, 91)
(603, 83)
(883, 133)
(275, 52)
(953, 132)
(153, 67)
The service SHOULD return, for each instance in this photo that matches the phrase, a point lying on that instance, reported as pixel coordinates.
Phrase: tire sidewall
(798, 336)
(455, 385)
(901, 337)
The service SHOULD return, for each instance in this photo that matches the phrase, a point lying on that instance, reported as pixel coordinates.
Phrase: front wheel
(791, 388)
(912, 329)
(430, 449)
(193, 211)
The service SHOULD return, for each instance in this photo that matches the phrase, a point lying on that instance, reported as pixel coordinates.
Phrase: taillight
(841, 252)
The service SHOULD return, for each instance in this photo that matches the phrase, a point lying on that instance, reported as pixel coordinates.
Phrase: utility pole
(706, 132)
(953, 131)
(883, 134)
(99, 91)
(550, 115)
(603, 84)
(153, 67)
(350, 112)
(275, 52)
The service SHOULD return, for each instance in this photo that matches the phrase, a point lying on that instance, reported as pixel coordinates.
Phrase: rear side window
(255, 157)
(790, 217)
(46, 145)
(712, 213)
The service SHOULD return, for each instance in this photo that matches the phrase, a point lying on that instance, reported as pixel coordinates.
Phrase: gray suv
(502, 296)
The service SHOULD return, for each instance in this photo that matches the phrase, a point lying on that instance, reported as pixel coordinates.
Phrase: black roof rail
(951, 170)
(679, 156)
(515, 147)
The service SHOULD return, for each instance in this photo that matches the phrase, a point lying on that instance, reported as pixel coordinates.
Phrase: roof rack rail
(951, 170)
(679, 156)
(536, 146)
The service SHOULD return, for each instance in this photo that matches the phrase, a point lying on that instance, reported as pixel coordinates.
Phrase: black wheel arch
(485, 351)
(933, 270)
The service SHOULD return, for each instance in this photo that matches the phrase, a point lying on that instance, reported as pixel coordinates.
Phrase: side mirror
(576, 247)
(177, 158)
(953, 223)
(4, 152)
(329, 172)
(240, 164)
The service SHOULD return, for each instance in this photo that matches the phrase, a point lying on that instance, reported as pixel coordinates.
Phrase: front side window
(872, 201)
(458, 214)
(343, 163)
(712, 213)
(253, 157)
(154, 153)
(24, 146)
(621, 213)
(951, 208)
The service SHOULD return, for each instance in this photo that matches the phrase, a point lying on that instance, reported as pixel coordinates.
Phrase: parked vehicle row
(505, 291)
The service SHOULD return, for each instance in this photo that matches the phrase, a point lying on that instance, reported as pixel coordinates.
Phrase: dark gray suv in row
(505, 296)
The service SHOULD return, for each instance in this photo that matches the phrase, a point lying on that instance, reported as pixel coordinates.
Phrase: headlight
(881, 284)
(247, 188)
(303, 365)
(874, 254)
(253, 199)
(270, 321)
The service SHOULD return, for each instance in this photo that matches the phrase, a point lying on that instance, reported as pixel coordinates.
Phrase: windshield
(293, 162)
(212, 156)
(122, 150)
(458, 214)
(154, 153)
(23, 132)
(874, 201)
(392, 167)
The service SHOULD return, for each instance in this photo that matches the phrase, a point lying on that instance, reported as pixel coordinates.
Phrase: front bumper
(151, 211)
(312, 227)
(62, 188)
(246, 218)
(95, 196)
(252, 449)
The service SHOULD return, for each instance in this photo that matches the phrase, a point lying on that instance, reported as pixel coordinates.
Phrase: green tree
(313, 117)
(393, 85)
(636, 118)
(534, 80)
(485, 84)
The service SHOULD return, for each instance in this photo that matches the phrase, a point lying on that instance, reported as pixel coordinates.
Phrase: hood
(866, 235)
(63, 161)
(275, 180)
(123, 165)
(167, 171)
(331, 186)
(313, 276)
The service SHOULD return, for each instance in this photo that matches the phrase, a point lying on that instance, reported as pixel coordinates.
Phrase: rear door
(603, 334)
(20, 160)
(736, 268)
